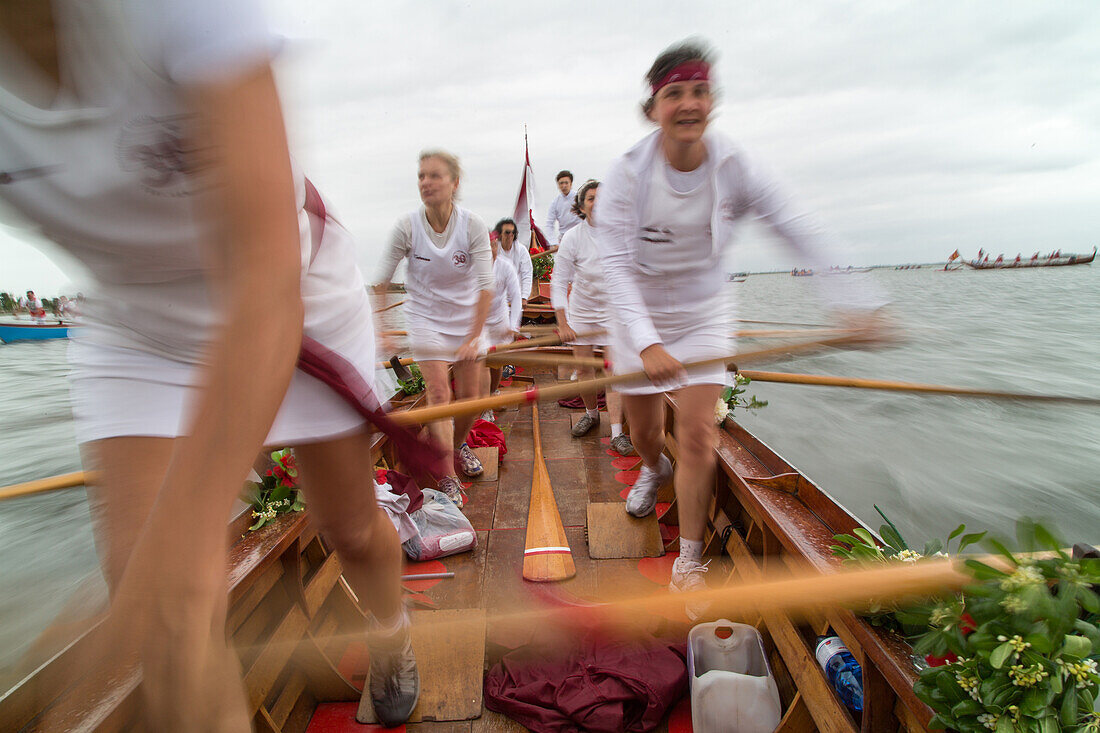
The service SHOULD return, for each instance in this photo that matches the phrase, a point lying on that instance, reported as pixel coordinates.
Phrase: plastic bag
(442, 529)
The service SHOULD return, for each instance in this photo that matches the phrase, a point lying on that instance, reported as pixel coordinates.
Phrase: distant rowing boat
(1055, 260)
(12, 331)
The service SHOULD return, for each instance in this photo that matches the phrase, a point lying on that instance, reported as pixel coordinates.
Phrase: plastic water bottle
(842, 669)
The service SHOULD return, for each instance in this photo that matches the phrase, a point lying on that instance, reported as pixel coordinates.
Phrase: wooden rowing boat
(1062, 260)
(14, 331)
(297, 628)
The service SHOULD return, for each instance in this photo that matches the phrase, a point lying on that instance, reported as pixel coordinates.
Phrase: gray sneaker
(642, 498)
(468, 462)
(450, 486)
(394, 682)
(586, 423)
(687, 576)
(621, 444)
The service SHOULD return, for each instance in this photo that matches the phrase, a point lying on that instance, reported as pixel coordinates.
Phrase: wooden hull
(10, 332)
(295, 623)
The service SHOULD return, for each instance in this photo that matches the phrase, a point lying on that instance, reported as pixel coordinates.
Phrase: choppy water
(929, 462)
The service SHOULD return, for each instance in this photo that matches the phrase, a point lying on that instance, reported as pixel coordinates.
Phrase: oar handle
(858, 383)
(42, 485)
(476, 406)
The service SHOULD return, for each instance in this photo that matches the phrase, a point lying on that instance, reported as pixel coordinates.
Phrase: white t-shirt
(112, 165)
(521, 260)
(506, 311)
(578, 262)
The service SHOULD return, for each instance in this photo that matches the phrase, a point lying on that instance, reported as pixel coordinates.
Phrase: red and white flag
(954, 256)
(524, 214)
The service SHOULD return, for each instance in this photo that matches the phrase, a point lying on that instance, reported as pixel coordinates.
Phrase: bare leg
(589, 397)
(437, 386)
(646, 414)
(696, 437)
(494, 379)
(130, 471)
(336, 478)
(467, 384)
(614, 406)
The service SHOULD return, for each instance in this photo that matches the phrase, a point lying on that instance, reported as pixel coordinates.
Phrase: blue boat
(12, 331)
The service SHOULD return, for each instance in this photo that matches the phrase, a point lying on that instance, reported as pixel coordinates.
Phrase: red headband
(695, 70)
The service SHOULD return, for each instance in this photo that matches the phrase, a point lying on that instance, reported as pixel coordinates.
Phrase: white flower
(909, 556)
(721, 412)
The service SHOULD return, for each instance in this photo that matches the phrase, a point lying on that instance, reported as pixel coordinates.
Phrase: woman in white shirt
(151, 140)
(519, 256)
(666, 212)
(582, 312)
(449, 282)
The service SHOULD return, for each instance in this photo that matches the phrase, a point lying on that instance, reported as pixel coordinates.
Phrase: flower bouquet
(277, 492)
(731, 398)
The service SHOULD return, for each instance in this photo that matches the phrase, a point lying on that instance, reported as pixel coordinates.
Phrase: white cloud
(913, 128)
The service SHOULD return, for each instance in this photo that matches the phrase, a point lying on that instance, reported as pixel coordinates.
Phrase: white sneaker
(687, 576)
(642, 498)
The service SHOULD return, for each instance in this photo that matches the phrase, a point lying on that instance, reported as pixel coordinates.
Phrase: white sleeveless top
(440, 282)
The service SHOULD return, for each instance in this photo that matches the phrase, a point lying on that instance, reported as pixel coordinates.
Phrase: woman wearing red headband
(666, 212)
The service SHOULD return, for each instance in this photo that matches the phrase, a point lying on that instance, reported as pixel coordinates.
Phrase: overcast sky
(911, 128)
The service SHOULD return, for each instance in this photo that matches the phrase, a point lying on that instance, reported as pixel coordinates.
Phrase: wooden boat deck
(297, 629)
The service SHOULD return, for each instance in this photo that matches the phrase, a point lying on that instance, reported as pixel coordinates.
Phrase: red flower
(967, 623)
(289, 461)
(380, 476)
(949, 658)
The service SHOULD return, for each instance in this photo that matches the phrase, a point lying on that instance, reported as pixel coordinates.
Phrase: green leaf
(969, 539)
(847, 538)
(866, 536)
(956, 532)
(1076, 646)
(938, 722)
(1035, 700)
(892, 526)
(892, 538)
(1000, 655)
(1088, 600)
(1049, 725)
(1040, 643)
(981, 571)
(280, 492)
(1004, 725)
(1045, 537)
(1068, 711)
(1000, 549)
(967, 707)
(951, 691)
(259, 523)
(932, 547)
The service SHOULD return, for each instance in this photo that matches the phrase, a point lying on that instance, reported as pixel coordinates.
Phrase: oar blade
(546, 553)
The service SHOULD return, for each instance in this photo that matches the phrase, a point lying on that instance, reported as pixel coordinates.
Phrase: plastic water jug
(732, 686)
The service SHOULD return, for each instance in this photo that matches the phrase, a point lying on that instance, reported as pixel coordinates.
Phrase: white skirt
(589, 332)
(428, 344)
(125, 390)
(686, 341)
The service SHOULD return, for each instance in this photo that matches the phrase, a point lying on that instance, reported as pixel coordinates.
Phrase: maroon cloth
(599, 685)
(424, 458)
(402, 485)
(576, 403)
(485, 434)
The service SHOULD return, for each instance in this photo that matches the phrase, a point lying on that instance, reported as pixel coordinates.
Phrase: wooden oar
(787, 333)
(383, 310)
(530, 358)
(856, 383)
(42, 485)
(782, 323)
(476, 406)
(544, 253)
(403, 362)
(551, 340)
(546, 553)
(395, 333)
